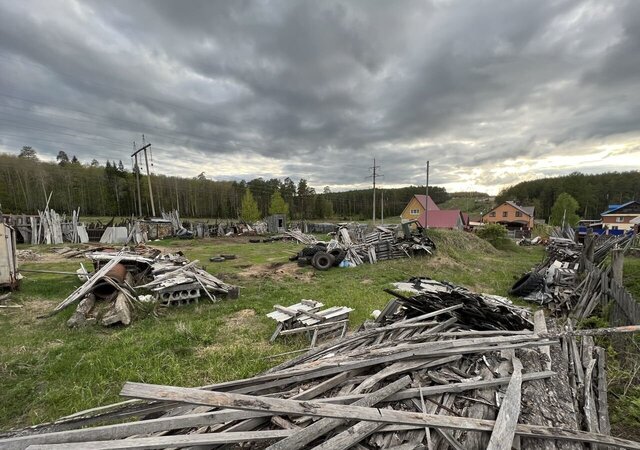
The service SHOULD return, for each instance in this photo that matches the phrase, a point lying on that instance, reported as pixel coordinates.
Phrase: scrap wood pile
(350, 248)
(446, 379)
(557, 283)
(308, 317)
(138, 279)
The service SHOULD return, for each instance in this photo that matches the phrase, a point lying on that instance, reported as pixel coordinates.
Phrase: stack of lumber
(302, 238)
(308, 317)
(414, 380)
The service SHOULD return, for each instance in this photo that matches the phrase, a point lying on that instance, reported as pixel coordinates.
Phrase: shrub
(496, 234)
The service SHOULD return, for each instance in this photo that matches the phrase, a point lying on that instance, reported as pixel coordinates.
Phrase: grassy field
(48, 370)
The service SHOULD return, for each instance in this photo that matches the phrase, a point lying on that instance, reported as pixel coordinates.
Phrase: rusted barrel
(103, 289)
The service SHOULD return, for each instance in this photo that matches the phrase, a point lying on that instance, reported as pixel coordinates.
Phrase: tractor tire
(303, 261)
(310, 251)
(322, 261)
(339, 255)
(530, 282)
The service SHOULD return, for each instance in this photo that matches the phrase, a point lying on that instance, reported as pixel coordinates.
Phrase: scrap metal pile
(125, 281)
(555, 282)
(474, 374)
(350, 248)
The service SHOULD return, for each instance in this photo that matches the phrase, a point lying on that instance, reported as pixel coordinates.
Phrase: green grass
(48, 370)
(632, 275)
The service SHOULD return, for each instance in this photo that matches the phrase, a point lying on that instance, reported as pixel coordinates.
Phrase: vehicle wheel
(309, 251)
(322, 261)
(216, 259)
(228, 256)
(339, 255)
(303, 261)
(530, 282)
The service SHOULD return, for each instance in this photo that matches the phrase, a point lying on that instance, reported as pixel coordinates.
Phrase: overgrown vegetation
(48, 370)
(496, 235)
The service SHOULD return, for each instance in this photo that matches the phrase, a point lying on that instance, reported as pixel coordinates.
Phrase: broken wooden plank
(349, 412)
(182, 440)
(505, 426)
(323, 426)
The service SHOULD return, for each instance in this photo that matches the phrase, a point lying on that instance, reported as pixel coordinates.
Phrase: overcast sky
(491, 92)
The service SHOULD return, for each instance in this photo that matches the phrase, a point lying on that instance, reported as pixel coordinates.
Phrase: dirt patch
(366, 281)
(278, 271)
(242, 326)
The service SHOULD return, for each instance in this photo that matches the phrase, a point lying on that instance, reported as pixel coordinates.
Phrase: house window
(619, 219)
(505, 213)
(414, 212)
(614, 227)
(492, 214)
(518, 214)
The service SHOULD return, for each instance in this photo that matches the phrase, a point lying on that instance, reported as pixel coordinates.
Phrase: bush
(496, 235)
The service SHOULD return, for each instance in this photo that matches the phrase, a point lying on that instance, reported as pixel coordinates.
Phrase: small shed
(276, 223)
(8, 261)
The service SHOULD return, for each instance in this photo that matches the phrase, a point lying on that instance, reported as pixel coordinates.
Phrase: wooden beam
(348, 412)
(182, 440)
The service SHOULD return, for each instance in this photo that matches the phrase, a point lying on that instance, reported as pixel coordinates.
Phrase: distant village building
(512, 216)
(452, 219)
(621, 217)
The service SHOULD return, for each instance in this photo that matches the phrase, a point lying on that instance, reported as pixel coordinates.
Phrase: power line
(374, 174)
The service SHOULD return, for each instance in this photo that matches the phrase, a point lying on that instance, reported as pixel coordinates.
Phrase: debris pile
(349, 248)
(469, 375)
(307, 317)
(128, 281)
(556, 282)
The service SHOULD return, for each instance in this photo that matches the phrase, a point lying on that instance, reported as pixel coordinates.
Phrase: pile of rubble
(348, 248)
(129, 280)
(442, 369)
(555, 282)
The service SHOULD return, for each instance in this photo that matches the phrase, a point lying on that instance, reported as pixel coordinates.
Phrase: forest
(109, 189)
(593, 192)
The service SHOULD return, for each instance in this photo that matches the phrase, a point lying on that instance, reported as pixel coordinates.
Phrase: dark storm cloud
(317, 89)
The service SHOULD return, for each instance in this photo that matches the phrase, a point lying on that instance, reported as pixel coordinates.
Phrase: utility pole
(374, 174)
(136, 167)
(382, 207)
(426, 201)
(146, 161)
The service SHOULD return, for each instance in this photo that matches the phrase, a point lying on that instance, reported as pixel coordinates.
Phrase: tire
(530, 282)
(303, 261)
(339, 255)
(254, 241)
(322, 261)
(229, 256)
(216, 259)
(309, 251)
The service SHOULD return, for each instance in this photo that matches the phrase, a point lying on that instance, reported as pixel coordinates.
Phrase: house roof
(528, 210)
(443, 218)
(613, 208)
(421, 200)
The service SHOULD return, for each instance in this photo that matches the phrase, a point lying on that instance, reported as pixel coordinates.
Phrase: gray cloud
(317, 89)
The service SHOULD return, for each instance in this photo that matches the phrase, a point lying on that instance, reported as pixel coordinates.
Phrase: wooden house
(619, 217)
(511, 215)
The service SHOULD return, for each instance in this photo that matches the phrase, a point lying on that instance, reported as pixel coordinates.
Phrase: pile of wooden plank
(443, 379)
(125, 277)
(308, 317)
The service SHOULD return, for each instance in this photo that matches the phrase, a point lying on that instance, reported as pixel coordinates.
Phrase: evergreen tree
(28, 152)
(62, 158)
(249, 210)
(75, 160)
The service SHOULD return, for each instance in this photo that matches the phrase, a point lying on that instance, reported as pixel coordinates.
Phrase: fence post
(617, 265)
(587, 250)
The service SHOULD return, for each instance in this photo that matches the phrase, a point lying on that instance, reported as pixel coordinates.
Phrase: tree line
(593, 193)
(109, 189)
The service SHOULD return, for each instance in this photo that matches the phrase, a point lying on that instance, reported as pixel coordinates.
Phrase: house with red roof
(426, 212)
